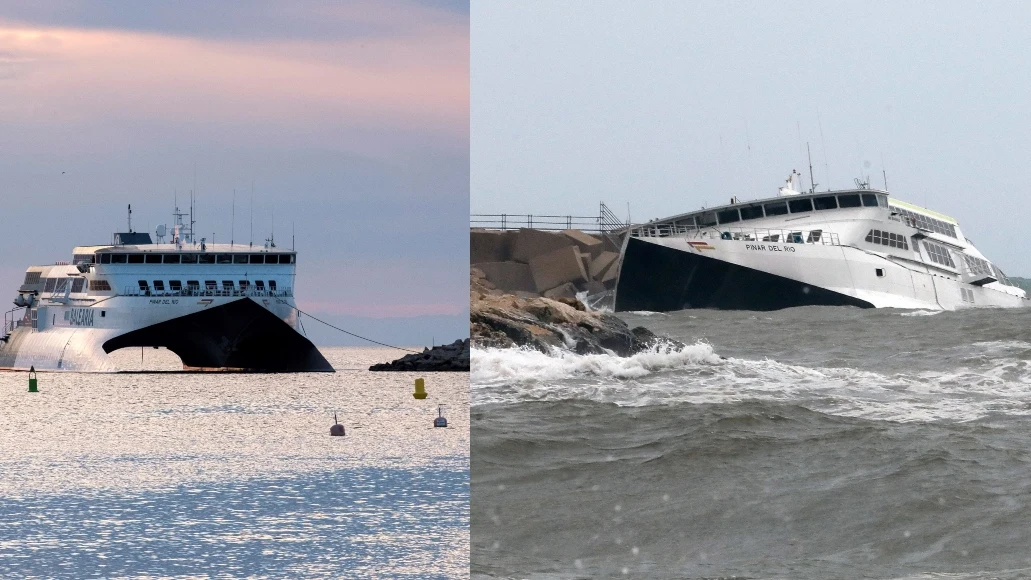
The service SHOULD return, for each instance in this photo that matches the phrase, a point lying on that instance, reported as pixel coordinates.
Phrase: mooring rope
(299, 311)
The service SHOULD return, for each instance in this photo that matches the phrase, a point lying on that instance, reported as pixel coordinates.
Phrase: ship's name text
(81, 317)
(768, 248)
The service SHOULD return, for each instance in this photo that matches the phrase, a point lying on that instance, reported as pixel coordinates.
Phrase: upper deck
(175, 254)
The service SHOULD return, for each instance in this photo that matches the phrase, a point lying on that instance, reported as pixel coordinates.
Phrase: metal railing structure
(202, 292)
(741, 234)
(605, 222)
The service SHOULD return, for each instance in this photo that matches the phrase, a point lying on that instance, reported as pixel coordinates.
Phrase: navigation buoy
(420, 389)
(33, 388)
(440, 421)
(337, 430)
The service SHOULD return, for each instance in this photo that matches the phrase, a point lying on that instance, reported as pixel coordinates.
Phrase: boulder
(488, 246)
(508, 276)
(448, 357)
(531, 243)
(557, 267)
(587, 243)
(601, 264)
(565, 290)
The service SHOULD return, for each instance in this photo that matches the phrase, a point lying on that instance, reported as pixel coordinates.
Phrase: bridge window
(159, 285)
(99, 286)
(118, 258)
(752, 212)
(105, 258)
(869, 200)
(850, 200)
(800, 205)
(175, 285)
(939, 254)
(77, 284)
(727, 216)
(825, 202)
(223, 259)
(48, 286)
(707, 219)
(32, 277)
(777, 208)
(135, 258)
(205, 258)
(239, 258)
(189, 258)
(257, 259)
(171, 259)
(153, 258)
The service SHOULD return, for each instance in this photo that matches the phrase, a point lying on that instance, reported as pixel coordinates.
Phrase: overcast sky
(672, 105)
(350, 120)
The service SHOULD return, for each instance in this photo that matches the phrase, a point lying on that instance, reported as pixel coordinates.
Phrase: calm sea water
(207, 475)
(805, 443)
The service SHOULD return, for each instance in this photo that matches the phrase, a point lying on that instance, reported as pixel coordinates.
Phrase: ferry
(219, 307)
(854, 247)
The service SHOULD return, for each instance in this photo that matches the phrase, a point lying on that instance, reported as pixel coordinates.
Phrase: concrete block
(489, 246)
(556, 267)
(530, 243)
(508, 276)
(586, 242)
(594, 287)
(565, 290)
(610, 273)
(601, 264)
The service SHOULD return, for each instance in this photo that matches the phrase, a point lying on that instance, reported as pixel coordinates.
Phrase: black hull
(661, 279)
(240, 335)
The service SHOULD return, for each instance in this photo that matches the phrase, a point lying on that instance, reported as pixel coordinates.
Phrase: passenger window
(727, 216)
(869, 200)
(239, 258)
(189, 258)
(778, 208)
(153, 258)
(260, 284)
(707, 219)
(159, 285)
(143, 285)
(272, 285)
(223, 259)
(800, 205)
(171, 259)
(826, 202)
(227, 284)
(244, 284)
(752, 212)
(77, 284)
(193, 284)
(205, 258)
(849, 200)
(48, 286)
(210, 285)
(175, 285)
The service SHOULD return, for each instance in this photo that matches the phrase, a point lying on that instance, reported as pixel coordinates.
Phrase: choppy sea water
(804, 443)
(234, 475)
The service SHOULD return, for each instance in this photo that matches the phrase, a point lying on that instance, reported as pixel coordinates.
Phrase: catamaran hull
(221, 334)
(668, 273)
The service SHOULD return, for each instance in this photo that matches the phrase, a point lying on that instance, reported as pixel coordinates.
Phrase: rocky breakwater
(503, 320)
(448, 357)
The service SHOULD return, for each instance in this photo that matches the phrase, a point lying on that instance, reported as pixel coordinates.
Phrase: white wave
(697, 375)
(922, 313)
(647, 313)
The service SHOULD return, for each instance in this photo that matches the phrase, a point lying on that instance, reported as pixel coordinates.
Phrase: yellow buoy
(420, 389)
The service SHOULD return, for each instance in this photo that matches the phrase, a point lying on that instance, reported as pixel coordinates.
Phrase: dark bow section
(240, 335)
(662, 279)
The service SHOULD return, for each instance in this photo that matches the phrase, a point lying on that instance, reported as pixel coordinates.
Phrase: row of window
(32, 278)
(776, 208)
(59, 285)
(196, 258)
(194, 285)
(919, 220)
(887, 239)
(939, 254)
(978, 267)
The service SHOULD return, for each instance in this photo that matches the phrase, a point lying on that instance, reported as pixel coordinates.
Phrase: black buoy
(337, 430)
(440, 421)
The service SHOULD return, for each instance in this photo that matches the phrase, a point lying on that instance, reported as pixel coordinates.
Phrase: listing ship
(227, 307)
(857, 247)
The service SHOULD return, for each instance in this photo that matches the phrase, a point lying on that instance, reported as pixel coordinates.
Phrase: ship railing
(800, 236)
(205, 292)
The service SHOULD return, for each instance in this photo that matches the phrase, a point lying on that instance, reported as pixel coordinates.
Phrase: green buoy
(32, 380)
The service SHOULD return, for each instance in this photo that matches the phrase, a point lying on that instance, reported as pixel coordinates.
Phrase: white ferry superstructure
(217, 306)
(857, 247)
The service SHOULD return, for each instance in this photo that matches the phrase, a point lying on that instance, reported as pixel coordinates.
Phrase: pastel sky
(350, 121)
(671, 105)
